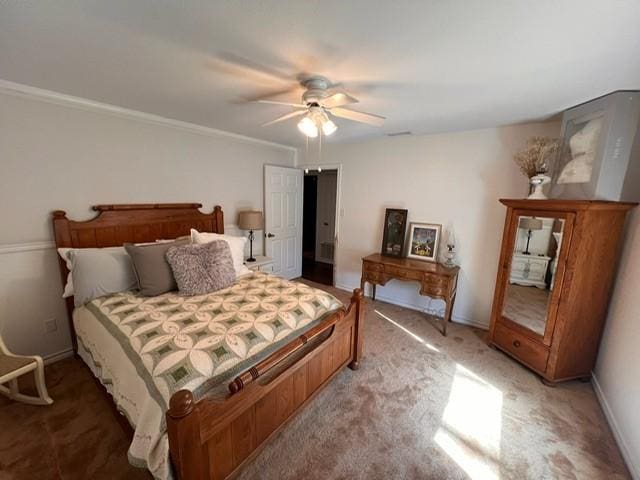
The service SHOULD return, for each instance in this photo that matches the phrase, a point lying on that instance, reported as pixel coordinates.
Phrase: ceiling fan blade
(265, 95)
(362, 117)
(273, 102)
(338, 99)
(237, 65)
(285, 117)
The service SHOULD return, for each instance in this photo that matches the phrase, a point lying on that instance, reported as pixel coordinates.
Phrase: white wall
(451, 179)
(59, 154)
(617, 373)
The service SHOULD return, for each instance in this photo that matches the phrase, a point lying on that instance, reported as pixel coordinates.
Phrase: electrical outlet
(50, 325)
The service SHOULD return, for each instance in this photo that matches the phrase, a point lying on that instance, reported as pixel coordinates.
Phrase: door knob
(270, 235)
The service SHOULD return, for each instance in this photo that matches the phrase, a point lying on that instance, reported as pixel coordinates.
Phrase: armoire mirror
(533, 267)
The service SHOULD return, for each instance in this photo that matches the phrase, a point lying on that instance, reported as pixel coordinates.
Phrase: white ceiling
(428, 66)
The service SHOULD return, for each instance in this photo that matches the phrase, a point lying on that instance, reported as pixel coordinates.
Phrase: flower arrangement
(535, 158)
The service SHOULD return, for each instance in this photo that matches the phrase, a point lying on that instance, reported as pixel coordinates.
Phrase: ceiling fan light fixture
(308, 127)
(328, 127)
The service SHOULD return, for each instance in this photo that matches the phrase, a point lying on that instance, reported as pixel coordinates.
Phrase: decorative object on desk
(250, 220)
(424, 239)
(529, 224)
(395, 226)
(450, 254)
(535, 159)
(537, 182)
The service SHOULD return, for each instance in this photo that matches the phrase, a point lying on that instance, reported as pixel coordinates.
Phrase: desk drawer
(528, 351)
(434, 291)
(435, 280)
(372, 267)
(402, 273)
(373, 277)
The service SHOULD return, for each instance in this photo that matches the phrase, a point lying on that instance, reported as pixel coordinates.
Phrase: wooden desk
(436, 280)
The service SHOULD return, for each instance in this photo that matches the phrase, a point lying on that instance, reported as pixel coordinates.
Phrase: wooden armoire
(554, 281)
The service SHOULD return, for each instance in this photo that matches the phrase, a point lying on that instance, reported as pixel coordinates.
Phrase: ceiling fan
(319, 102)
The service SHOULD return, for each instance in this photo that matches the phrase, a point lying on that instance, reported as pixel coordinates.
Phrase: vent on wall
(326, 250)
(398, 134)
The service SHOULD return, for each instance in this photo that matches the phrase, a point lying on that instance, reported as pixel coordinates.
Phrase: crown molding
(18, 89)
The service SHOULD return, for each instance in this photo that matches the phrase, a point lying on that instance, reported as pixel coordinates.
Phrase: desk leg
(447, 314)
(373, 296)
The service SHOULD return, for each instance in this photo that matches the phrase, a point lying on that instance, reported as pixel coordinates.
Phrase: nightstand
(529, 270)
(262, 264)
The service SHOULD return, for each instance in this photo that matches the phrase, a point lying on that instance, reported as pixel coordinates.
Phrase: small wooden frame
(213, 437)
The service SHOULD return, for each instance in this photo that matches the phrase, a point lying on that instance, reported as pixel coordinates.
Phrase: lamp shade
(250, 220)
(530, 223)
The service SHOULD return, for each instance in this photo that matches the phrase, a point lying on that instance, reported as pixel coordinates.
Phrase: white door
(283, 219)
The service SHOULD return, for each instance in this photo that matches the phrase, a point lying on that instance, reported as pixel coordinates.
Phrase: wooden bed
(213, 437)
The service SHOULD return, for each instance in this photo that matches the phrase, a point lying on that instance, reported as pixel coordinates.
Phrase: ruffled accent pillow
(200, 269)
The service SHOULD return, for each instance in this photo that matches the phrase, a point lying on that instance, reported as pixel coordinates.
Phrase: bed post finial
(181, 404)
(183, 428)
(59, 214)
(218, 220)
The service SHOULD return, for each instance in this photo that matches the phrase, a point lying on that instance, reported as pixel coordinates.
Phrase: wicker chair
(12, 366)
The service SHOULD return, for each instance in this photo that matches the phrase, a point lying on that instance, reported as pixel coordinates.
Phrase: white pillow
(236, 245)
(100, 271)
(68, 288)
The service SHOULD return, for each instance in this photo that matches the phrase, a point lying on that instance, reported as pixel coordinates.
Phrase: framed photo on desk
(395, 226)
(424, 239)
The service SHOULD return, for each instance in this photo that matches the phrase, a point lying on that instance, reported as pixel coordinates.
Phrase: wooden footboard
(213, 438)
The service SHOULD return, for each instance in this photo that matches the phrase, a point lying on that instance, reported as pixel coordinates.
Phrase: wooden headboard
(116, 225)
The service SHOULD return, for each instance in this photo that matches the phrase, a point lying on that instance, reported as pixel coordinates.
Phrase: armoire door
(534, 259)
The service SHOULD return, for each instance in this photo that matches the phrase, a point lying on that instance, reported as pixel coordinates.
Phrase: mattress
(144, 349)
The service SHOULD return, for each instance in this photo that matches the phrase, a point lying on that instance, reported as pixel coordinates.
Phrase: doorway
(318, 225)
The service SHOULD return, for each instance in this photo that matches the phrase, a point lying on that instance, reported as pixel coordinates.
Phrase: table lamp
(250, 220)
(529, 224)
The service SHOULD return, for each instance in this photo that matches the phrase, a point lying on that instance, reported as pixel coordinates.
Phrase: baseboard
(634, 469)
(420, 308)
(55, 357)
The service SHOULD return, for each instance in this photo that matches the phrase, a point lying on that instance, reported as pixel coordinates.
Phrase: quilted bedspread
(197, 342)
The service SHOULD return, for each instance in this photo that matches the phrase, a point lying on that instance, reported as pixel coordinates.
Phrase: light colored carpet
(422, 406)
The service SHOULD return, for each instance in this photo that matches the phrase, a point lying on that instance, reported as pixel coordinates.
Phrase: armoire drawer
(528, 351)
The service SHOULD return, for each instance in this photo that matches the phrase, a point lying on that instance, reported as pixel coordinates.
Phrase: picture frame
(579, 159)
(393, 236)
(598, 141)
(424, 241)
